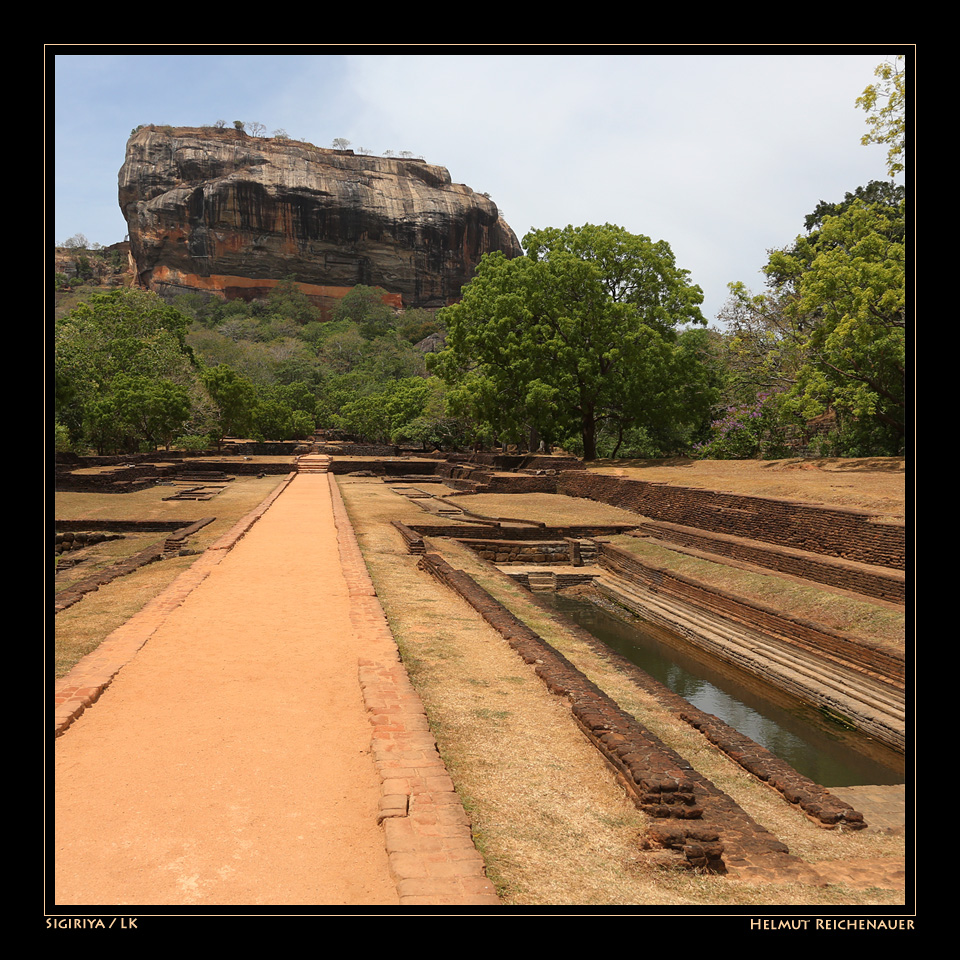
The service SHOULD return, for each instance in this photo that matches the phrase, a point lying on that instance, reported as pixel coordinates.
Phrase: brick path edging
(427, 832)
(90, 676)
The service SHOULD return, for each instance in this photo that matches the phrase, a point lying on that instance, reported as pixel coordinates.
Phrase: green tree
(342, 349)
(848, 295)
(287, 300)
(103, 427)
(676, 389)
(416, 324)
(365, 307)
(747, 430)
(828, 335)
(284, 412)
(275, 420)
(297, 396)
(339, 389)
(154, 410)
(883, 192)
(234, 399)
(885, 105)
(110, 336)
(378, 416)
(390, 358)
(572, 335)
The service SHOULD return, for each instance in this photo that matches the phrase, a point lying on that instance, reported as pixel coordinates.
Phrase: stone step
(588, 550)
(313, 463)
(543, 580)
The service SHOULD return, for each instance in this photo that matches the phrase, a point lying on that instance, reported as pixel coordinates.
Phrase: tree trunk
(589, 434)
(616, 449)
(533, 440)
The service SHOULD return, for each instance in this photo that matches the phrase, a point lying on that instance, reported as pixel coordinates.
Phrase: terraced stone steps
(881, 583)
(871, 705)
(313, 463)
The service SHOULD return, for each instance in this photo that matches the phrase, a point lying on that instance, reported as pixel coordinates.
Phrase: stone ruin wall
(852, 535)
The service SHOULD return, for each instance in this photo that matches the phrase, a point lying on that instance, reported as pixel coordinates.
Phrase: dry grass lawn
(877, 484)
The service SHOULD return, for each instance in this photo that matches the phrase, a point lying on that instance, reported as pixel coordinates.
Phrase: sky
(720, 151)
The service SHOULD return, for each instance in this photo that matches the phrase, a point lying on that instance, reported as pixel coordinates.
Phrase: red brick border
(427, 832)
(84, 684)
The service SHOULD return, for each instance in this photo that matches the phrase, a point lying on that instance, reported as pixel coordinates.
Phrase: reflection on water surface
(813, 745)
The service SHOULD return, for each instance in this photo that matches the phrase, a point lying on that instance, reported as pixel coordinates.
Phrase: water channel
(814, 745)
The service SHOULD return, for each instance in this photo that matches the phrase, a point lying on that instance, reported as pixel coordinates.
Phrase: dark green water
(820, 749)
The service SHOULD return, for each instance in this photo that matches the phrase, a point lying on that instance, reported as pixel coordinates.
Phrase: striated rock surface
(217, 210)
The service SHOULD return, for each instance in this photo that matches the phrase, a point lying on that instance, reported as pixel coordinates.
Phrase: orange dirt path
(229, 762)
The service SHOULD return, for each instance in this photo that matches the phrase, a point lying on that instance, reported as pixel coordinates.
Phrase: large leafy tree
(159, 408)
(579, 332)
(105, 341)
(848, 290)
(138, 410)
(285, 412)
(234, 398)
(365, 307)
(378, 416)
(829, 334)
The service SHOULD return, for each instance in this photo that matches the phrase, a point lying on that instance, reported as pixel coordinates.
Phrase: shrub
(194, 443)
(747, 431)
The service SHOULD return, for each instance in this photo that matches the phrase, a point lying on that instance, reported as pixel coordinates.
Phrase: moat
(815, 745)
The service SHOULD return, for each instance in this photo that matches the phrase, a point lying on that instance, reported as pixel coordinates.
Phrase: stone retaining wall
(855, 652)
(357, 449)
(851, 534)
(157, 551)
(465, 531)
(129, 478)
(522, 551)
(65, 542)
(513, 483)
(501, 462)
(245, 468)
(127, 526)
(692, 817)
(560, 579)
(815, 800)
(411, 538)
(383, 468)
(880, 584)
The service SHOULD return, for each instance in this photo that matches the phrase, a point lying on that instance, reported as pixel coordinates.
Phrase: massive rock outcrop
(218, 210)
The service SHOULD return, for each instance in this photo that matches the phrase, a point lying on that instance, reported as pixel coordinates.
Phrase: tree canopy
(827, 340)
(885, 105)
(577, 334)
(849, 288)
(828, 337)
(124, 373)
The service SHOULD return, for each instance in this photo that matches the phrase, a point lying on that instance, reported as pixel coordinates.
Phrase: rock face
(220, 211)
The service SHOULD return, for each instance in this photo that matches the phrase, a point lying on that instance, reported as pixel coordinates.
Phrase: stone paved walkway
(251, 738)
